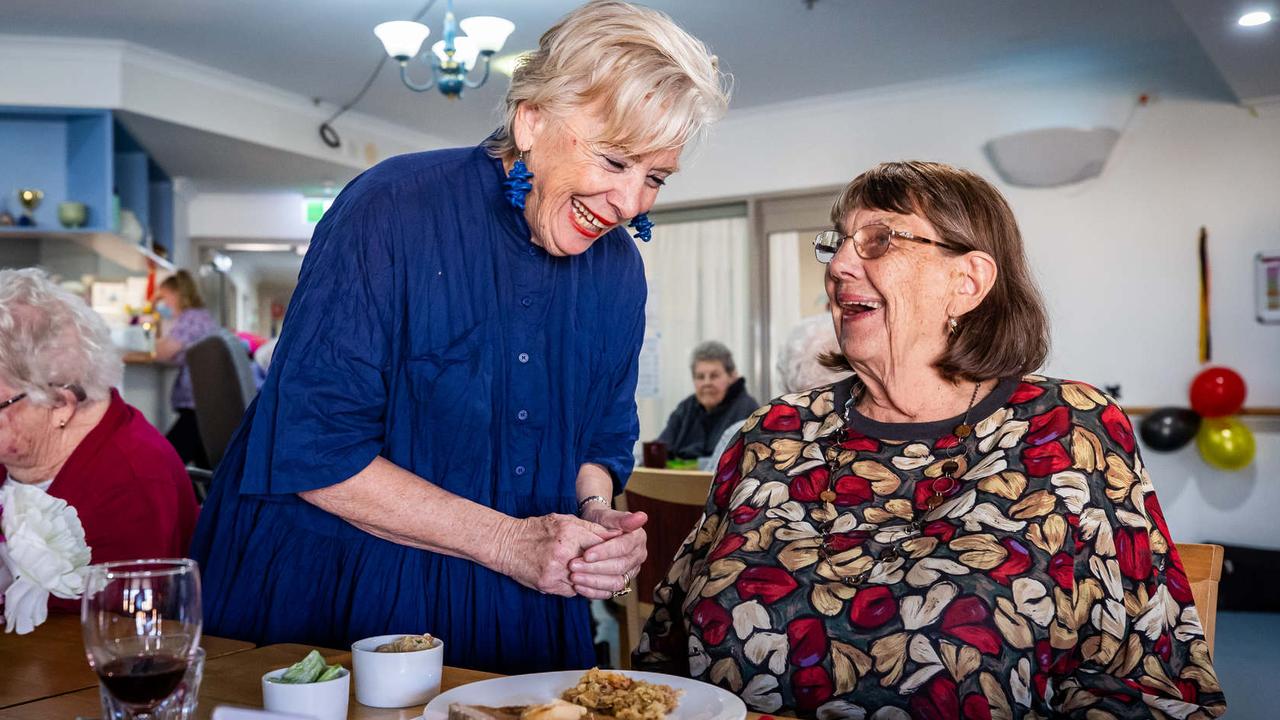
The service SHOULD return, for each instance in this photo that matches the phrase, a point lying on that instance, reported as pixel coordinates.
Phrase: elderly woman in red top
(945, 534)
(64, 428)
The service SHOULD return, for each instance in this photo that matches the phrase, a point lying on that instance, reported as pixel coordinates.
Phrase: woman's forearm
(594, 480)
(392, 503)
(166, 349)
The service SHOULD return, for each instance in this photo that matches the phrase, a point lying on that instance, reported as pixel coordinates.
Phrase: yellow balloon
(1225, 443)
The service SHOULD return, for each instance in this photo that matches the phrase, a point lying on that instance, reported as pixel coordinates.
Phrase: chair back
(222, 386)
(1203, 565)
(674, 500)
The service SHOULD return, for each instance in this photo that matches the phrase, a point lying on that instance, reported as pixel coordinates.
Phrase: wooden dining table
(229, 679)
(50, 660)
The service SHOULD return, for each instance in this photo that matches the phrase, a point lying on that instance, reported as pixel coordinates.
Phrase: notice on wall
(647, 384)
(1267, 285)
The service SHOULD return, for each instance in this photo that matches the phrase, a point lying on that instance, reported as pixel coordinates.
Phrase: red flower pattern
(1118, 427)
(1045, 459)
(873, 607)
(769, 584)
(812, 686)
(807, 637)
(714, 620)
(781, 418)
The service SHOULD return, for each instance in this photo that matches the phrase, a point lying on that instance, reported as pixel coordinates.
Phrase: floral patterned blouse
(846, 568)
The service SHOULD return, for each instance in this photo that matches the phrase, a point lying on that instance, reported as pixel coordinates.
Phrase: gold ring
(626, 585)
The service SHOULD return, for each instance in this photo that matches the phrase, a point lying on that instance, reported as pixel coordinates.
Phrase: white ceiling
(777, 50)
(1248, 57)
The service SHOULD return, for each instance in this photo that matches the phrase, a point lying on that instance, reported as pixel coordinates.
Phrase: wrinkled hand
(604, 569)
(536, 551)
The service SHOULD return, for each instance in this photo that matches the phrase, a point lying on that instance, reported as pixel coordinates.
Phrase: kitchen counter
(147, 385)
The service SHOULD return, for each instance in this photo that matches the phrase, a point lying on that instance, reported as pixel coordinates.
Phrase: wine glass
(141, 621)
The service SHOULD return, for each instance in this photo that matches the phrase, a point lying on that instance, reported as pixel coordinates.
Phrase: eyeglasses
(12, 400)
(72, 388)
(870, 242)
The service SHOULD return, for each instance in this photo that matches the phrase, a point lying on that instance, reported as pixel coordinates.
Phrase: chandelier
(454, 57)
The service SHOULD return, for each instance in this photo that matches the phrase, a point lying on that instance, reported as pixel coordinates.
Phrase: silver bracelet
(594, 498)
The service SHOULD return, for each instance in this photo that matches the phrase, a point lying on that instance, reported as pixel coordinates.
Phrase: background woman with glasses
(945, 534)
(65, 429)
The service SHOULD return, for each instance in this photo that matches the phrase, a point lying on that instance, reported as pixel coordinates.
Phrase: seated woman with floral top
(944, 535)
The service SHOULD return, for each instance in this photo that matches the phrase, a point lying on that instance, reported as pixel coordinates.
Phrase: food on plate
(409, 643)
(555, 710)
(458, 711)
(599, 695)
(310, 669)
(616, 695)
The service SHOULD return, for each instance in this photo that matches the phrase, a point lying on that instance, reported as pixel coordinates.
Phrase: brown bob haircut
(184, 285)
(1007, 335)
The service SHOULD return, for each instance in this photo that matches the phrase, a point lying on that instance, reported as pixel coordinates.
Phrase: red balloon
(1217, 391)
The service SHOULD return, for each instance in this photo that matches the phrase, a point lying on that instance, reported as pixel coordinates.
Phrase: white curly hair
(51, 338)
(798, 365)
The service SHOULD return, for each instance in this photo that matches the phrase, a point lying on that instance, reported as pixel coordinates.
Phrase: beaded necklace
(940, 488)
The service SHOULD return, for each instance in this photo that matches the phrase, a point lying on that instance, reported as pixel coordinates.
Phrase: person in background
(800, 364)
(262, 356)
(945, 534)
(800, 367)
(186, 323)
(719, 401)
(65, 429)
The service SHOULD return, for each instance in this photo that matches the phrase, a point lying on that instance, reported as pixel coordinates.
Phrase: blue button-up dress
(428, 329)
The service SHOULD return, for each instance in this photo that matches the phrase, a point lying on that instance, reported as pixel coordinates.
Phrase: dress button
(519, 469)
(526, 301)
(523, 415)
(523, 357)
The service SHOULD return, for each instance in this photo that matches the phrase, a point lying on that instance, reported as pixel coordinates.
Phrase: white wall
(1115, 256)
(266, 216)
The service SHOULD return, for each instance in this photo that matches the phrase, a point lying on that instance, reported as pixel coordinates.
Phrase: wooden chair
(674, 500)
(1203, 565)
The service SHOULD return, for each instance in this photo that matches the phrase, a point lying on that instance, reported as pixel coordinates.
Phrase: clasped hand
(593, 556)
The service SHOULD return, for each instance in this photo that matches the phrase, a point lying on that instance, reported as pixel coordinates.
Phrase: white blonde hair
(657, 86)
(51, 338)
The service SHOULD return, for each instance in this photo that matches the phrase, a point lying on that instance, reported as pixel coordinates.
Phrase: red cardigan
(132, 493)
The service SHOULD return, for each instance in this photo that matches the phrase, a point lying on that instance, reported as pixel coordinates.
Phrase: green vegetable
(311, 669)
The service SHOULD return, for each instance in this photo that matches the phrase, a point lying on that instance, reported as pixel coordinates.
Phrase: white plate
(700, 701)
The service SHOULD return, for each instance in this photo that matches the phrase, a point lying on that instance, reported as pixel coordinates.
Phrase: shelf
(118, 250)
(65, 152)
(85, 155)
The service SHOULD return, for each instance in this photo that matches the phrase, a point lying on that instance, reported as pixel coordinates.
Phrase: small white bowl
(395, 680)
(321, 700)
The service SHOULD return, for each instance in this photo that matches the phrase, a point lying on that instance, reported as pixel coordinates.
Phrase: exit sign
(314, 208)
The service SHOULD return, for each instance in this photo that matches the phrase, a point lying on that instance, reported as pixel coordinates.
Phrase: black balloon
(1169, 428)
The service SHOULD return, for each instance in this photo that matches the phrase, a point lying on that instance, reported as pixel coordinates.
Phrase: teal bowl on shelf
(72, 214)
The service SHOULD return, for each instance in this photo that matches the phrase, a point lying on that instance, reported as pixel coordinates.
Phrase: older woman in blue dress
(451, 403)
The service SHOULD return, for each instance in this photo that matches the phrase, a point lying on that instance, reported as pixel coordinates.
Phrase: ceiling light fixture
(1253, 19)
(454, 57)
(257, 247)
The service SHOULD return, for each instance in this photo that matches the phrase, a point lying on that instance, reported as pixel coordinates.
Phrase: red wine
(143, 680)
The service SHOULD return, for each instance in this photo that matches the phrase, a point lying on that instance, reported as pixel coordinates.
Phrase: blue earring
(517, 183)
(643, 226)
